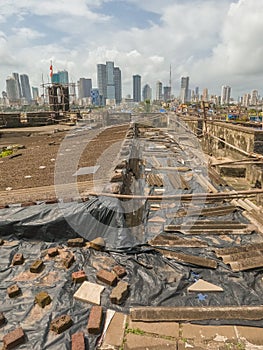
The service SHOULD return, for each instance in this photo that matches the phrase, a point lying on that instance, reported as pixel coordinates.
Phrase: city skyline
(199, 38)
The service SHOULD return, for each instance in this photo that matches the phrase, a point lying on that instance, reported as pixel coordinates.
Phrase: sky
(214, 42)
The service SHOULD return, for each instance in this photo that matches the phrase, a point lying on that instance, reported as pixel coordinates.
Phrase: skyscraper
(84, 87)
(184, 89)
(117, 83)
(12, 89)
(146, 92)
(35, 93)
(159, 91)
(61, 77)
(109, 81)
(136, 88)
(225, 94)
(16, 76)
(25, 87)
(167, 93)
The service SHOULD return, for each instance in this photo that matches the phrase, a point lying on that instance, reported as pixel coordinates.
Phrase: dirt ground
(52, 152)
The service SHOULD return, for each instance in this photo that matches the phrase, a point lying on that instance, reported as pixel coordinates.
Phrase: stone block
(115, 332)
(13, 291)
(52, 252)
(76, 242)
(107, 277)
(79, 276)
(95, 320)
(69, 260)
(120, 271)
(98, 243)
(251, 334)
(2, 319)
(14, 338)
(18, 259)
(89, 292)
(37, 266)
(141, 342)
(43, 299)
(119, 293)
(78, 341)
(61, 323)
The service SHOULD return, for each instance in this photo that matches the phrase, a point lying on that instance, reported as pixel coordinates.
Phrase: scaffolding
(59, 96)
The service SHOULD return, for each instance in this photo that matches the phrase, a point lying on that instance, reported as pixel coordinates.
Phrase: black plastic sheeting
(154, 280)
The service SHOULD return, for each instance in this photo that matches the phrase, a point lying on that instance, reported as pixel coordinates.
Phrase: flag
(51, 70)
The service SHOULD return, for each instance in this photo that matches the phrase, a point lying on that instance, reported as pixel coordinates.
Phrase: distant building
(95, 96)
(254, 97)
(25, 88)
(205, 95)
(35, 93)
(61, 77)
(84, 87)
(184, 93)
(225, 95)
(16, 76)
(109, 82)
(146, 92)
(167, 93)
(136, 88)
(12, 89)
(159, 91)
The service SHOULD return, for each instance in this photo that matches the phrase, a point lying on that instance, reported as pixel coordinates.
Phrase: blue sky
(214, 42)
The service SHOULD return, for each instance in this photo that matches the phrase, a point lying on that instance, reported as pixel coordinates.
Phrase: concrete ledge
(150, 314)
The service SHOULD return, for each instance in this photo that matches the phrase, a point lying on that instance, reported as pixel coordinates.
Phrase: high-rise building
(118, 85)
(16, 76)
(146, 92)
(159, 91)
(167, 93)
(205, 95)
(137, 88)
(184, 94)
(35, 93)
(254, 97)
(61, 77)
(225, 95)
(12, 89)
(84, 87)
(109, 82)
(25, 87)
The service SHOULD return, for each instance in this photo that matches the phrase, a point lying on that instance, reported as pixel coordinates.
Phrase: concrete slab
(169, 329)
(204, 286)
(141, 342)
(89, 292)
(253, 335)
(115, 332)
(202, 334)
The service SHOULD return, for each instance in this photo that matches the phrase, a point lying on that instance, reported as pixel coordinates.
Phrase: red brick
(95, 320)
(120, 271)
(119, 293)
(13, 291)
(107, 277)
(79, 276)
(37, 266)
(69, 260)
(18, 259)
(78, 341)
(61, 323)
(14, 338)
(42, 299)
(51, 201)
(76, 242)
(2, 319)
(52, 252)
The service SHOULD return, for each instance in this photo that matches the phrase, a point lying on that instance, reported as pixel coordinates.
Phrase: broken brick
(37, 266)
(79, 276)
(97, 243)
(2, 319)
(119, 293)
(18, 259)
(52, 252)
(61, 323)
(42, 299)
(76, 242)
(120, 271)
(51, 201)
(69, 260)
(13, 291)
(78, 341)
(95, 320)
(14, 338)
(107, 277)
